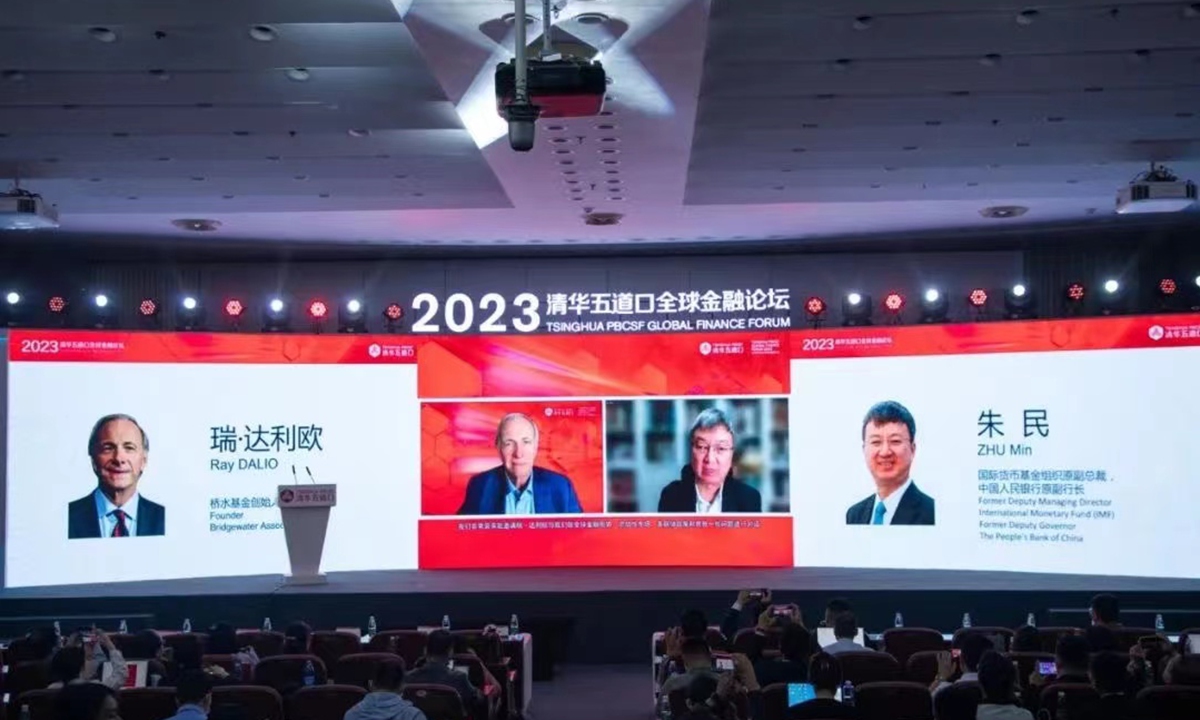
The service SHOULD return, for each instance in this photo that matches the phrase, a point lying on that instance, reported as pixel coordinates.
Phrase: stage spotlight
(856, 310)
(393, 315)
(234, 310)
(12, 297)
(893, 305)
(1110, 299)
(815, 308)
(148, 311)
(1167, 287)
(1074, 296)
(318, 311)
(352, 317)
(1198, 281)
(935, 307)
(14, 309)
(276, 317)
(57, 305)
(1112, 287)
(101, 311)
(1018, 303)
(190, 315)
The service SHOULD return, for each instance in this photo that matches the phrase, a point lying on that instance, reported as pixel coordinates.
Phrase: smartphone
(800, 693)
(723, 664)
(1047, 667)
(781, 611)
(758, 594)
(955, 653)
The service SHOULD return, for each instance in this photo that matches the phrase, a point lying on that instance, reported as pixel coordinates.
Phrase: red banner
(1125, 332)
(608, 541)
(216, 348)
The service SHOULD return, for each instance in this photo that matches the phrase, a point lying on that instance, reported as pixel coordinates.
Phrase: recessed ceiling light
(1184, 114)
(196, 224)
(160, 75)
(13, 76)
(607, 113)
(242, 133)
(809, 126)
(959, 93)
(556, 128)
(842, 64)
(94, 180)
(1093, 89)
(197, 178)
(300, 177)
(910, 148)
(298, 74)
(418, 194)
(382, 156)
(103, 34)
(162, 159)
(274, 158)
(120, 134)
(972, 184)
(564, 152)
(826, 96)
(204, 105)
(50, 160)
(262, 33)
(933, 123)
(1192, 11)
(323, 195)
(1026, 17)
(1072, 181)
(570, 172)
(606, 126)
(862, 22)
(1022, 144)
(616, 198)
(358, 132)
(226, 197)
(608, 151)
(781, 187)
(591, 18)
(559, 140)
(875, 186)
(613, 181)
(132, 197)
(566, 162)
(1141, 55)
(612, 172)
(400, 176)
(1002, 212)
(571, 181)
(799, 149)
(889, 168)
(990, 60)
(610, 162)
(1055, 119)
(609, 140)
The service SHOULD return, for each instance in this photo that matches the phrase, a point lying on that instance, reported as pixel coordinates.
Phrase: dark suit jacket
(552, 493)
(435, 673)
(82, 521)
(680, 495)
(915, 508)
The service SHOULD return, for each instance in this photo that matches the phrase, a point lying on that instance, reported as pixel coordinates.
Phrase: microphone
(310, 475)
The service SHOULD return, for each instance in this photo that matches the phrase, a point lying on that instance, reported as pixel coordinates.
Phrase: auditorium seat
(21, 650)
(1169, 702)
(260, 703)
(128, 645)
(1079, 699)
(177, 640)
(40, 703)
(1127, 637)
(408, 644)
(989, 631)
(894, 701)
(325, 702)
(750, 642)
(902, 642)
(358, 669)
(1048, 636)
(23, 677)
(486, 645)
(775, 702)
(868, 666)
(285, 673)
(438, 702)
(330, 645)
(922, 666)
(148, 703)
(265, 643)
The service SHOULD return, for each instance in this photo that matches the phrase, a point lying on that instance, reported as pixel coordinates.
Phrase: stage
(598, 615)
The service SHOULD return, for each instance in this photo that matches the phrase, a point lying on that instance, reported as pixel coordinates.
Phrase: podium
(304, 510)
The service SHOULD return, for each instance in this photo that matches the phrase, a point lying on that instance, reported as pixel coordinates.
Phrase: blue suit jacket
(552, 493)
(83, 522)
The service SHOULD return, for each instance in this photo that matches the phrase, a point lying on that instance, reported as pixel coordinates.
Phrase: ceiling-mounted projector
(1156, 191)
(21, 210)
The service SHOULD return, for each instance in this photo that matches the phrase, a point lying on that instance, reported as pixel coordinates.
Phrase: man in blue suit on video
(118, 447)
(517, 486)
(889, 436)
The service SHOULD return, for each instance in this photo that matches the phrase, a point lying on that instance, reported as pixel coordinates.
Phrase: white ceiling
(729, 119)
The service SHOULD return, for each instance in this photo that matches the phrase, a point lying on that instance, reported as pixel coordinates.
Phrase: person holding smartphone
(825, 675)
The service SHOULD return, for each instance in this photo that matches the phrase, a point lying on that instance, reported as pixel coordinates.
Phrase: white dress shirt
(105, 511)
(891, 503)
(704, 507)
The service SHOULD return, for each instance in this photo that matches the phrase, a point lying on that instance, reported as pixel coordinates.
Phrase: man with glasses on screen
(516, 486)
(889, 436)
(118, 448)
(707, 484)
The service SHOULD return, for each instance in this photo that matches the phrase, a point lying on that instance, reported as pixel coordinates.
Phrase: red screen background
(458, 440)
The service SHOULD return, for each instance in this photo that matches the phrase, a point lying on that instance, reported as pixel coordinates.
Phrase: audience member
(957, 702)
(193, 695)
(1026, 639)
(438, 670)
(148, 645)
(384, 702)
(222, 640)
(81, 660)
(1106, 611)
(693, 624)
(997, 678)
(86, 701)
(1101, 638)
(971, 648)
(1110, 678)
(748, 602)
(845, 629)
(697, 662)
(43, 642)
(835, 607)
(1182, 670)
(825, 674)
(296, 638)
(795, 647)
(704, 701)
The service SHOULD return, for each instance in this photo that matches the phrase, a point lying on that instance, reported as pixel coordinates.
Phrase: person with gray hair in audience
(707, 484)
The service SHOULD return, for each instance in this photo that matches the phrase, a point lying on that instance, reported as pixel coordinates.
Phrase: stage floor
(592, 580)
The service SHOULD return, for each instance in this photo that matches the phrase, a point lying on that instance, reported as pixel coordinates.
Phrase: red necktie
(121, 529)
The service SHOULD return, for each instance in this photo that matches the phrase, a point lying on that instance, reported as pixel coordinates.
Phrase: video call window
(661, 451)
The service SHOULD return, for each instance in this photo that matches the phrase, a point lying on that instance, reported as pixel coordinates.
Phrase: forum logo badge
(1156, 332)
(706, 348)
(374, 350)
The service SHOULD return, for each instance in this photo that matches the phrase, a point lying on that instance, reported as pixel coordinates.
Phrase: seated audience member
(436, 670)
(1182, 670)
(692, 625)
(795, 647)
(705, 701)
(384, 702)
(79, 662)
(997, 678)
(193, 695)
(835, 607)
(1101, 638)
(222, 640)
(296, 639)
(957, 702)
(1106, 611)
(1026, 639)
(148, 646)
(1071, 658)
(749, 603)
(1110, 677)
(697, 662)
(86, 701)
(845, 629)
(971, 649)
(43, 642)
(826, 677)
